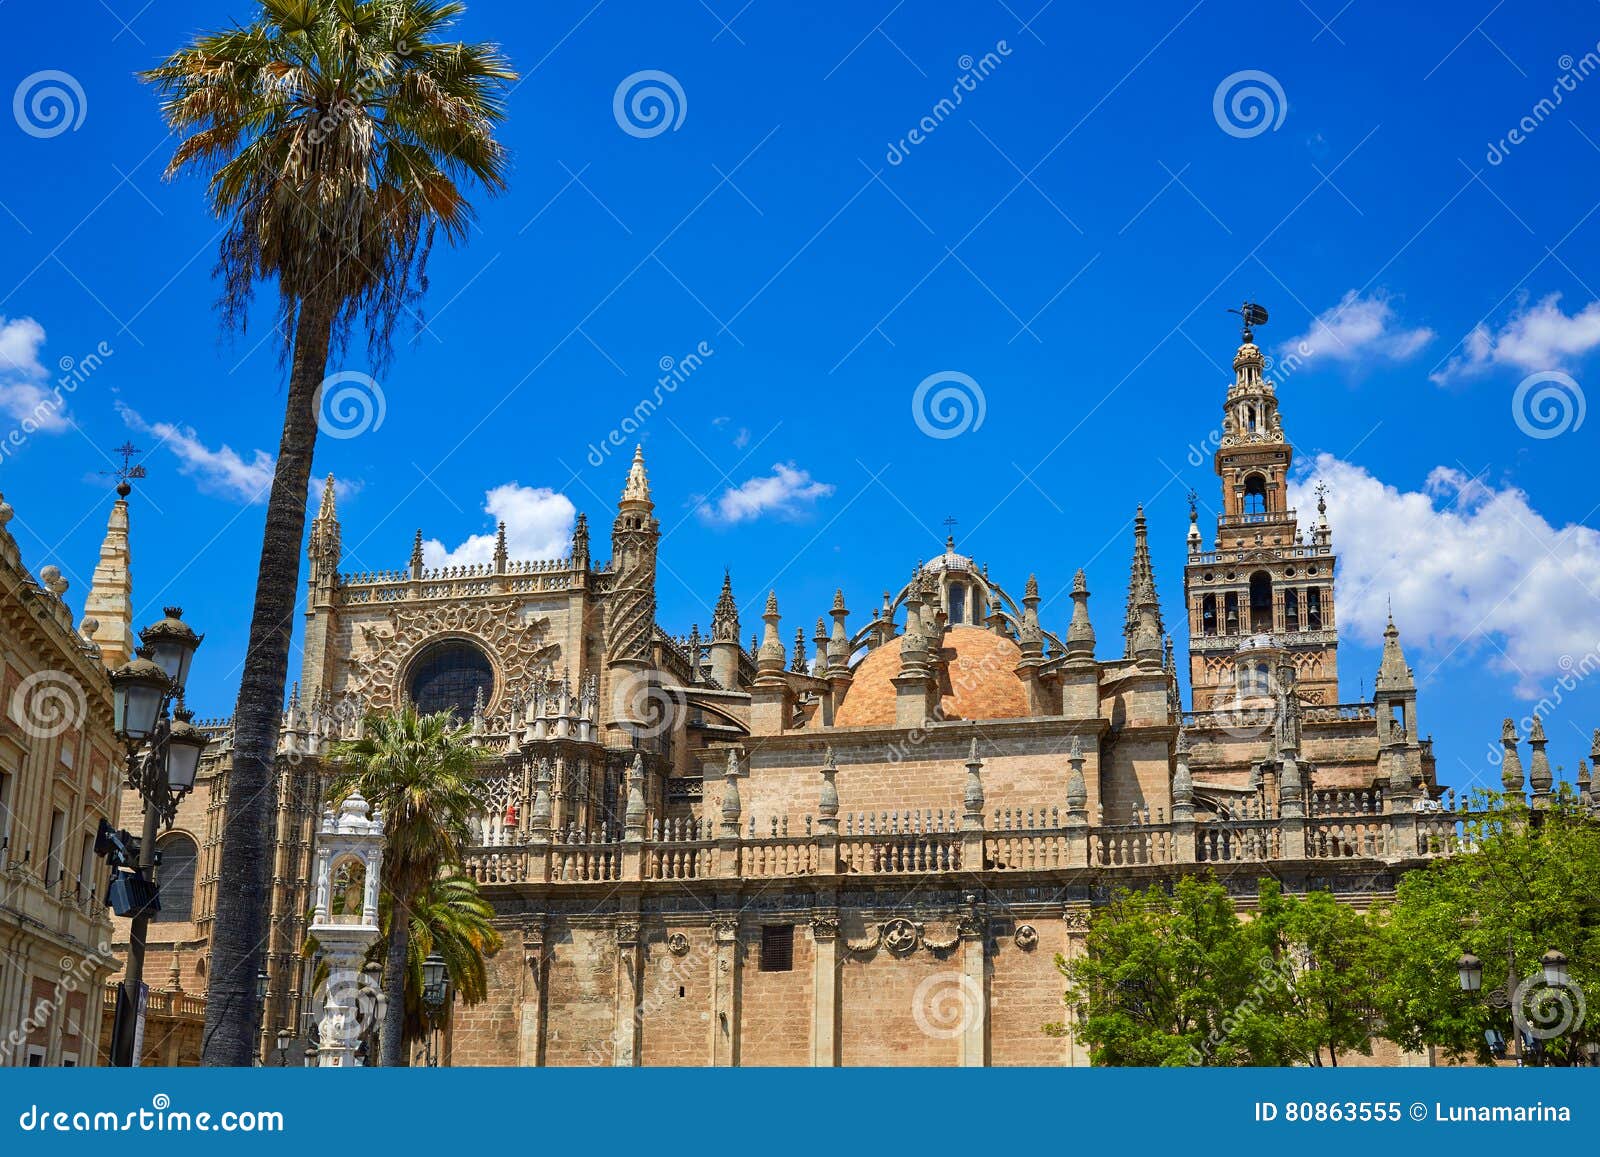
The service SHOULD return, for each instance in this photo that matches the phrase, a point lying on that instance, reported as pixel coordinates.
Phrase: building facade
(60, 771)
(869, 844)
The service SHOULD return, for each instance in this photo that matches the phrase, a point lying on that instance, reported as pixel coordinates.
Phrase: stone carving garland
(518, 646)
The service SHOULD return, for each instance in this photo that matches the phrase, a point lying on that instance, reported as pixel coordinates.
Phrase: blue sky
(1068, 237)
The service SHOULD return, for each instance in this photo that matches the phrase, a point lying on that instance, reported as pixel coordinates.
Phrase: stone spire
(725, 618)
(797, 662)
(1511, 762)
(819, 639)
(580, 543)
(828, 801)
(730, 796)
(1032, 640)
(839, 640)
(1539, 777)
(416, 556)
(1393, 673)
(1143, 629)
(108, 607)
(1182, 781)
(500, 554)
(972, 797)
(637, 489)
(1080, 631)
(1583, 781)
(769, 659)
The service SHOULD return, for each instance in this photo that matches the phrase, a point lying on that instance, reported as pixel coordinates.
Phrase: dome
(979, 681)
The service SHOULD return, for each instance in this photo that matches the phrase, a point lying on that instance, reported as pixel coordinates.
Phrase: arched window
(1255, 494)
(1261, 601)
(1208, 614)
(1291, 610)
(448, 676)
(176, 878)
(958, 604)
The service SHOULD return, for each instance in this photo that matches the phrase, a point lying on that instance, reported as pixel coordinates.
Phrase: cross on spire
(127, 471)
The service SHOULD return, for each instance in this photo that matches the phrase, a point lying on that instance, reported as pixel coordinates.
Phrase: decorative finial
(1250, 316)
(126, 472)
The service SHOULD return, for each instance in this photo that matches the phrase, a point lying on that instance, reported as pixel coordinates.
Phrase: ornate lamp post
(1513, 994)
(435, 994)
(163, 757)
(344, 920)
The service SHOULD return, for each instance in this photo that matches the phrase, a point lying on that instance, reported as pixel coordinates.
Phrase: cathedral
(862, 847)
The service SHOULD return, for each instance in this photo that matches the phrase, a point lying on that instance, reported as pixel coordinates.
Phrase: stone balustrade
(1338, 825)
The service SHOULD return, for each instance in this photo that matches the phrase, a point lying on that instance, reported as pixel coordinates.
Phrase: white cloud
(1364, 329)
(223, 471)
(1539, 337)
(1470, 568)
(538, 525)
(25, 389)
(787, 492)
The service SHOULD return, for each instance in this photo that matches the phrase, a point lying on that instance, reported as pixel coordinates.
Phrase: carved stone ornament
(824, 927)
(900, 936)
(1026, 937)
(627, 932)
(678, 944)
(1076, 918)
(519, 647)
(726, 927)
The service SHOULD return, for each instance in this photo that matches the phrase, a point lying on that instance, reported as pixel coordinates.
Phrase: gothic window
(448, 676)
(1291, 610)
(1314, 609)
(1230, 613)
(1208, 615)
(1255, 494)
(777, 948)
(1261, 601)
(176, 879)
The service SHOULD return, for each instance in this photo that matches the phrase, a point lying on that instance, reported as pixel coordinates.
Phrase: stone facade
(60, 767)
(868, 847)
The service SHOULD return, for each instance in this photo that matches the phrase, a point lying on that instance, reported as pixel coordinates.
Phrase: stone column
(974, 931)
(825, 990)
(1075, 928)
(630, 994)
(725, 992)
(530, 1029)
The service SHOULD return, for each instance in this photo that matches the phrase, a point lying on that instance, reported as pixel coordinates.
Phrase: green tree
(419, 772)
(337, 137)
(1170, 978)
(1527, 882)
(1324, 952)
(450, 917)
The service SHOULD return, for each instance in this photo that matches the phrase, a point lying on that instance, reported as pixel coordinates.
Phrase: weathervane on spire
(127, 472)
(950, 532)
(1250, 316)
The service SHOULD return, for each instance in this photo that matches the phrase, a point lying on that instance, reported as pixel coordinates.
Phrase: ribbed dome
(979, 681)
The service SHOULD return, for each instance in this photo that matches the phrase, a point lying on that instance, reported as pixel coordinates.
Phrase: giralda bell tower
(1261, 599)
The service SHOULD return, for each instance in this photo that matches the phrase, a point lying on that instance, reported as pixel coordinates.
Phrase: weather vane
(1251, 315)
(128, 471)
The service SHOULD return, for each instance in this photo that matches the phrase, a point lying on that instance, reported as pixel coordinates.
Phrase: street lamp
(1554, 964)
(1470, 971)
(262, 980)
(163, 756)
(284, 1037)
(435, 992)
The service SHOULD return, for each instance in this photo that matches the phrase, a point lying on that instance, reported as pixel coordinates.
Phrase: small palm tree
(419, 772)
(337, 136)
(449, 917)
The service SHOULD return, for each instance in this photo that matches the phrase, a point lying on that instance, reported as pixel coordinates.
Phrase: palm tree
(451, 918)
(337, 137)
(420, 774)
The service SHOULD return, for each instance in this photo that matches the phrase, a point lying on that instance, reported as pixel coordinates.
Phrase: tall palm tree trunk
(395, 967)
(240, 919)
